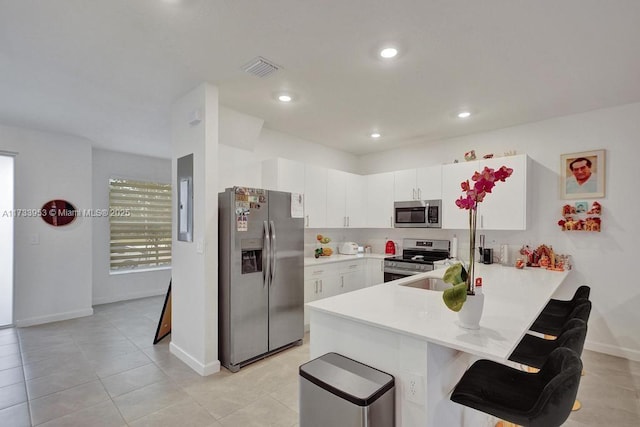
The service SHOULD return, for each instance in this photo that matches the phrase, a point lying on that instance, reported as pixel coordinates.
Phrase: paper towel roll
(454, 247)
(504, 254)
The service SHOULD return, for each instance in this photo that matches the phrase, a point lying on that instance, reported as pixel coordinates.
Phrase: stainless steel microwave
(418, 214)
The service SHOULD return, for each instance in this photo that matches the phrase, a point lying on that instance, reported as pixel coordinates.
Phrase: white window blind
(140, 222)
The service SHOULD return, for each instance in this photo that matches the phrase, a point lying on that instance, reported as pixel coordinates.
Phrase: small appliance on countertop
(390, 248)
(348, 248)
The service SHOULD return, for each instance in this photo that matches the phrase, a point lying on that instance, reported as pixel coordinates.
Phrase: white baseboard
(204, 370)
(613, 350)
(53, 317)
(116, 298)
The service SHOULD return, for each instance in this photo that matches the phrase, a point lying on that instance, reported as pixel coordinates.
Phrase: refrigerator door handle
(274, 252)
(266, 254)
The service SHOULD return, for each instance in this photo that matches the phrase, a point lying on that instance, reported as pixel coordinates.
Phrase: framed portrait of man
(582, 175)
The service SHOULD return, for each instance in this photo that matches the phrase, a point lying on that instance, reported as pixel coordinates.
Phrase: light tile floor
(104, 371)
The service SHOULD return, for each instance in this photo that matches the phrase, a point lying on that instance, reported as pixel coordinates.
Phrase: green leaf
(455, 297)
(454, 274)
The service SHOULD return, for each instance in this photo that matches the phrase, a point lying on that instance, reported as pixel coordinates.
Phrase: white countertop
(340, 258)
(513, 300)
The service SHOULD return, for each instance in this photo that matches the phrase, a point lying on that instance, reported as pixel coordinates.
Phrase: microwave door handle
(274, 251)
(266, 243)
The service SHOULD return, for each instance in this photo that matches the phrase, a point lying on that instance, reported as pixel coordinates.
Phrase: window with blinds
(140, 222)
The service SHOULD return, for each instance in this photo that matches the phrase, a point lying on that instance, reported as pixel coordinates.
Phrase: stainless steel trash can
(338, 391)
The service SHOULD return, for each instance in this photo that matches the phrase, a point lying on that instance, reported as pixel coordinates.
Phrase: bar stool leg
(576, 405)
(505, 424)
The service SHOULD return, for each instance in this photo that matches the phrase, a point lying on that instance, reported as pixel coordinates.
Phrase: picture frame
(582, 175)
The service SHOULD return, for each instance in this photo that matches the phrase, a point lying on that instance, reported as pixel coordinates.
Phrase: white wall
(6, 240)
(52, 277)
(135, 284)
(244, 168)
(603, 260)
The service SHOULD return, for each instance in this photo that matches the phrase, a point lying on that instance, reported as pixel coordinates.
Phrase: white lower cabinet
(352, 276)
(332, 279)
(374, 271)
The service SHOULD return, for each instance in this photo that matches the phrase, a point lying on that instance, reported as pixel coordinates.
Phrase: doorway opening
(6, 239)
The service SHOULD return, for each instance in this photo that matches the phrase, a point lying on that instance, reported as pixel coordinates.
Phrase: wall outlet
(414, 388)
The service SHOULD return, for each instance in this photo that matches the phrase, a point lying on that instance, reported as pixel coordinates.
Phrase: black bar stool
(550, 324)
(558, 307)
(543, 399)
(533, 351)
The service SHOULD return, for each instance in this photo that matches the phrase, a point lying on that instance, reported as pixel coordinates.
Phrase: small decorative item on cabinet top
(578, 218)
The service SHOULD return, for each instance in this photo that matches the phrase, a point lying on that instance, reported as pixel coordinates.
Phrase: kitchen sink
(431, 284)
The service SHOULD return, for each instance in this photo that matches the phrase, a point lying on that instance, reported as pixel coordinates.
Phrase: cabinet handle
(316, 284)
(307, 220)
(348, 221)
(342, 281)
(320, 285)
(391, 221)
(382, 266)
(413, 192)
(481, 221)
(419, 194)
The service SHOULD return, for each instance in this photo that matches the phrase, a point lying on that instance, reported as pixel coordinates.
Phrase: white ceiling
(108, 70)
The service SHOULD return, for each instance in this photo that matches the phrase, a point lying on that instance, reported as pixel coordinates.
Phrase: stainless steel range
(417, 257)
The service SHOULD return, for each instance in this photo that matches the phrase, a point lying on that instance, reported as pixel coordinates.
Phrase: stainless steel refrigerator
(261, 275)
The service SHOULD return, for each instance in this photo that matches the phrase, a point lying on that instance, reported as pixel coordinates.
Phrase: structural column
(194, 330)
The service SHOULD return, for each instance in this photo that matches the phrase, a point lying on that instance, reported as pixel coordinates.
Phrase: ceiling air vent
(260, 67)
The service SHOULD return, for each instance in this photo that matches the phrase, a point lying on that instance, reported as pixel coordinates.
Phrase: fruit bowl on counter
(324, 250)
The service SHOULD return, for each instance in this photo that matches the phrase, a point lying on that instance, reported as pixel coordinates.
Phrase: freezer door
(248, 292)
(286, 289)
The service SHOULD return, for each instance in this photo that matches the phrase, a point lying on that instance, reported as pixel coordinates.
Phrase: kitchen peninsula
(409, 333)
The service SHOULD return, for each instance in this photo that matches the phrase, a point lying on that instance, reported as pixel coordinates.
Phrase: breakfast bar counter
(409, 332)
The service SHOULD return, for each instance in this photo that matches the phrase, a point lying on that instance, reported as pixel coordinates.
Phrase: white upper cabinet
(429, 183)
(505, 208)
(336, 198)
(379, 200)
(404, 185)
(356, 200)
(418, 184)
(345, 199)
(315, 196)
(283, 175)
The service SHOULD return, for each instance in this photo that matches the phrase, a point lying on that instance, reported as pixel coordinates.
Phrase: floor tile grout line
(24, 377)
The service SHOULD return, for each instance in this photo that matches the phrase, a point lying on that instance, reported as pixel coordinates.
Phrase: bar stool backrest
(561, 376)
(573, 335)
(581, 311)
(582, 292)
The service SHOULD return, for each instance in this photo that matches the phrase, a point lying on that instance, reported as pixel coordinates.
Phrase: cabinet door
(283, 175)
(506, 207)
(336, 198)
(405, 185)
(311, 289)
(315, 196)
(379, 200)
(452, 175)
(355, 200)
(375, 271)
(353, 281)
(429, 183)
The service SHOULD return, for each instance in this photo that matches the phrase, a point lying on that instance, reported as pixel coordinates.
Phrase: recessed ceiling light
(375, 135)
(284, 98)
(388, 52)
(464, 114)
